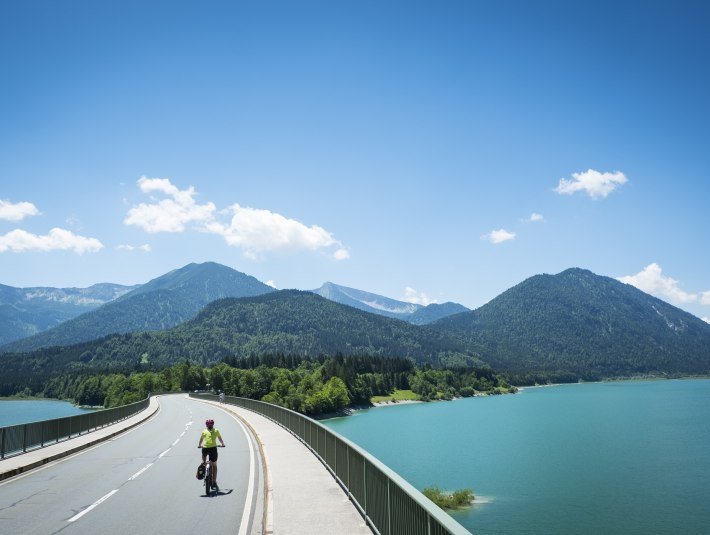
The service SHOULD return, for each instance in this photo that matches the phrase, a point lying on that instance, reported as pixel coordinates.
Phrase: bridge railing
(20, 438)
(389, 504)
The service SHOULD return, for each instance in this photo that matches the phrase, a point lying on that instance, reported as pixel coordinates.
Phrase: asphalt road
(143, 481)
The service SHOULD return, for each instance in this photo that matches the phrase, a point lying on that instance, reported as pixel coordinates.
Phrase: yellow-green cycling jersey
(209, 438)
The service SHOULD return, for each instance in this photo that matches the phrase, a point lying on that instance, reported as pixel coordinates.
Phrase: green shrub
(446, 500)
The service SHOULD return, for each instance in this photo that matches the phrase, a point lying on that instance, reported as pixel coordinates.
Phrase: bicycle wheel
(208, 482)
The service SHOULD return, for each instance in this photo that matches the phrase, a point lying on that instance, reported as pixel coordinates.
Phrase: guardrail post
(364, 486)
(24, 438)
(2, 443)
(389, 509)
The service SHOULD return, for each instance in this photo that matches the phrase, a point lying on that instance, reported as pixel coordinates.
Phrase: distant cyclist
(208, 444)
(221, 397)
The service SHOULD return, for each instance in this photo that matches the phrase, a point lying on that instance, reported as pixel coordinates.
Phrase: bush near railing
(389, 504)
(20, 438)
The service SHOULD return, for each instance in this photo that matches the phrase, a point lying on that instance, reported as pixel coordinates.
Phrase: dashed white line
(134, 476)
(139, 472)
(97, 502)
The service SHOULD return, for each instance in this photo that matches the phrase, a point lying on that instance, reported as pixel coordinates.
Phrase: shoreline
(391, 402)
(632, 379)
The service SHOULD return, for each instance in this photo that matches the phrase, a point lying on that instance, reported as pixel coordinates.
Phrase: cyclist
(208, 444)
(221, 397)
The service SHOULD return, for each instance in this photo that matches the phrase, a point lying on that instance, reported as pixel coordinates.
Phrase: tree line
(312, 386)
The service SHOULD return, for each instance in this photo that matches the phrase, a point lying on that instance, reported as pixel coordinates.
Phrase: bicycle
(208, 477)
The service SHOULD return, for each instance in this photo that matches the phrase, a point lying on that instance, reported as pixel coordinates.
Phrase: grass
(397, 395)
(449, 500)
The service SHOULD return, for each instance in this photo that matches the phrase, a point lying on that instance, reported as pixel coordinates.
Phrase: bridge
(281, 473)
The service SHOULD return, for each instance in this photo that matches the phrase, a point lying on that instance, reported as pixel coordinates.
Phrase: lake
(24, 411)
(617, 457)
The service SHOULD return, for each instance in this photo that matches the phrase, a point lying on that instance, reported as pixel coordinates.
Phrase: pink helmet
(209, 423)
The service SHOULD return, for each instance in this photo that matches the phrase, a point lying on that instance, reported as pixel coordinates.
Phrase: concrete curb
(7, 474)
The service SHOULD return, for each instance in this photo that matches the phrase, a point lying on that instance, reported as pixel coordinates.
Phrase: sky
(425, 151)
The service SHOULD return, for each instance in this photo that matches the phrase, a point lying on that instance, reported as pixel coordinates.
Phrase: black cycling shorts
(211, 452)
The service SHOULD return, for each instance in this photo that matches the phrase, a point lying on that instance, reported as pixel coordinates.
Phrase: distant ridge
(436, 311)
(385, 306)
(161, 303)
(27, 311)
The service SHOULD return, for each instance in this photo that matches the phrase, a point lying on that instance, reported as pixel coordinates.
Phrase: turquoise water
(22, 411)
(621, 457)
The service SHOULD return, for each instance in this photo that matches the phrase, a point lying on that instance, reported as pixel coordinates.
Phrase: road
(143, 481)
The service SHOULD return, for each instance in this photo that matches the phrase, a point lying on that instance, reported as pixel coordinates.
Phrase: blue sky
(429, 151)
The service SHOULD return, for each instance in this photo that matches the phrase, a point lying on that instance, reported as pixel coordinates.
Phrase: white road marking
(97, 502)
(244, 524)
(166, 451)
(81, 452)
(176, 441)
(139, 472)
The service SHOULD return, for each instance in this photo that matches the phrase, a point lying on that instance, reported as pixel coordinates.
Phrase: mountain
(159, 304)
(384, 306)
(369, 302)
(27, 311)
(584, 325)
(434, 312)
(286, 321)
(550, 327)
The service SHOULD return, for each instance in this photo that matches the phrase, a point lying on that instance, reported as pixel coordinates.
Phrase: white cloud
(535, 218)
(258, 231)
(58, 239)
(341, 254)
(271, 283)
(145, 248)
(705, 319)
(168, 215)
(18, 211)
(652, 281)
(595, 184)
(419, 298)
(705, 298)
(498, 236)
(255, 231)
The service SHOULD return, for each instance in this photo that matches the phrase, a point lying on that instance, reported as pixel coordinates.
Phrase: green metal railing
(18, 439)
(389, 504)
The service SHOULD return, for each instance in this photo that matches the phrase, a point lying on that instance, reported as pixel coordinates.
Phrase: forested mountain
(287, 321)
(159, 304)
(549, 327)
(384, 306)
(204, 283)
(27, 311)
(434, 312)
(584, 325)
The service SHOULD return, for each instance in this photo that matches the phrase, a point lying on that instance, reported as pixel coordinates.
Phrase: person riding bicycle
(221, 397)
(208, 444)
